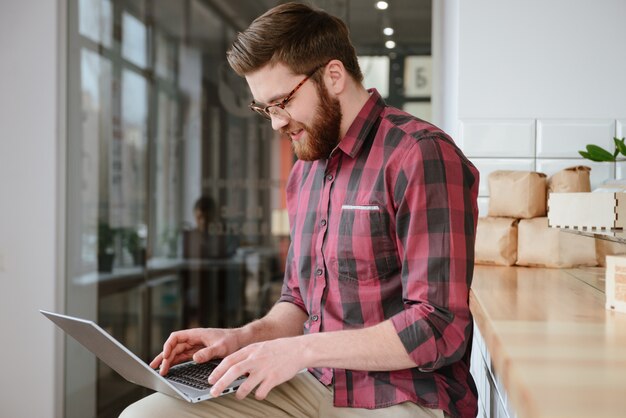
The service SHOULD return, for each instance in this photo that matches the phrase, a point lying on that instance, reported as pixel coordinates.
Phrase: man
(204, 212)
(382, 208)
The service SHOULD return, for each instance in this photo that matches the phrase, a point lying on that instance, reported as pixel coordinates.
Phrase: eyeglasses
(277, 109)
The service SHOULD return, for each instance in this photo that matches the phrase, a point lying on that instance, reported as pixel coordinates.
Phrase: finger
(265, 387)
(181, 350)
(248, 385)
(204, 355)
(166, 364)
(178, 338)
(171, 342)
(227, 378)
(165, 367)
(175, 346)
(157, 361)
(227, 363)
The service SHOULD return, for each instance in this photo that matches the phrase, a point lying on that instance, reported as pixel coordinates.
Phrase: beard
(322, 136)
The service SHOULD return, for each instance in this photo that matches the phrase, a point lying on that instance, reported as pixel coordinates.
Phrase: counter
(557, 351)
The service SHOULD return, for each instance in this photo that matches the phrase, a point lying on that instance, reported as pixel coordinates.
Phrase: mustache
(285, 130)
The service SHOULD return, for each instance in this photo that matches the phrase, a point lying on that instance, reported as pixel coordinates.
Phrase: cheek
(302, 118)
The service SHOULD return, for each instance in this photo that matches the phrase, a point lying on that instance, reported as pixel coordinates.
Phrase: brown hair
(296, 35)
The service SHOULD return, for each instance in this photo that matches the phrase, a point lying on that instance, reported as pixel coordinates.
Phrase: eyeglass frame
(263, 110)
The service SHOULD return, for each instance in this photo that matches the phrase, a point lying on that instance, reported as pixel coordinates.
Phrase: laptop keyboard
(195, 375)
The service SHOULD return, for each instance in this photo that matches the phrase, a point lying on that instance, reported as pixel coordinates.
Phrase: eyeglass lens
(278, 112)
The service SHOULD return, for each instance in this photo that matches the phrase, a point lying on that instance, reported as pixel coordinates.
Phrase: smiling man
(382, 209)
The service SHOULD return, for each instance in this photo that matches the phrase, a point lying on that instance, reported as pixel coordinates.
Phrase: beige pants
(302, 396)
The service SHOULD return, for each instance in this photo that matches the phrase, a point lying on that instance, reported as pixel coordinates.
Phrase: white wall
(537, 81)
(29, 59)
(445, 52)
(542, 59)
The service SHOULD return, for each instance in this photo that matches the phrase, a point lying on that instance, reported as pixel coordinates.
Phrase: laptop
(186, 381)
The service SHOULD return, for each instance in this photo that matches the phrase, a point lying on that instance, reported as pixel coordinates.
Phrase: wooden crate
(616, 283)
(587, 211)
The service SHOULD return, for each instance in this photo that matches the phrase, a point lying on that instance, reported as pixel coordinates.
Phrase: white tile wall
(564, 138)
(545, 145)
(487, 165)
(600, 172)
(498, 138)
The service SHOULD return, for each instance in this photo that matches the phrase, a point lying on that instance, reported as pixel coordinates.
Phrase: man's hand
(267, 365)
(199, 344)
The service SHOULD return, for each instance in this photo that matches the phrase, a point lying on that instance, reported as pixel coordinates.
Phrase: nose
(278, 122)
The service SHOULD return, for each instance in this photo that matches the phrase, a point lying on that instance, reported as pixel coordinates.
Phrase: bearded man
(382, 210)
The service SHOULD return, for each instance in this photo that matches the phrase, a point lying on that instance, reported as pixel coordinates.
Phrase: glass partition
(175, 205)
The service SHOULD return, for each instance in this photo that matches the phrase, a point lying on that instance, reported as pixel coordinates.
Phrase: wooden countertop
(558, 351)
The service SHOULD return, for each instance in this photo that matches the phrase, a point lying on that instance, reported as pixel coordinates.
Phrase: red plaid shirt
(384, 229)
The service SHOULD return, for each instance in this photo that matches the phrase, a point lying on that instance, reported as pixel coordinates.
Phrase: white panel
(483, 206)
(620, 170)
(31, 148)
(564, 138)
(498, 138)
(375, 73)
(445, 47)
(620, 128)
(487, 165)
(600, 172)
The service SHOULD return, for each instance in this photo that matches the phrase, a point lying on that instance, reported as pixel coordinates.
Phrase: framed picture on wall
(418, 76)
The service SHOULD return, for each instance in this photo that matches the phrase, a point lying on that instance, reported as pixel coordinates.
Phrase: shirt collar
(362, 124)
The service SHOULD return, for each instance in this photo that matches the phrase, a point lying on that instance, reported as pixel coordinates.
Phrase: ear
(335, 77)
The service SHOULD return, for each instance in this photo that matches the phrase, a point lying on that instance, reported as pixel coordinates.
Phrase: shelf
(615, 235)
(554, 348)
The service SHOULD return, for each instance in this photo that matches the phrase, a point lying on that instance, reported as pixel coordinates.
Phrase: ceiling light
(382, 5)
(390, 44)
(388, 31)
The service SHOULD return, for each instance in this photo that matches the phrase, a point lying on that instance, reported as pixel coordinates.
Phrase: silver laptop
(187, 381)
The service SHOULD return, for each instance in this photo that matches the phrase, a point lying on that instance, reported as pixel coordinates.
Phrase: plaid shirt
(384, 229)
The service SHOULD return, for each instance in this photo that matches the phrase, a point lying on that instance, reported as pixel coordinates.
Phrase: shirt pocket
(365, 248)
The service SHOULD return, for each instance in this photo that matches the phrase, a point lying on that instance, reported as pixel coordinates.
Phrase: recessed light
(390, 44)
(388, 31)
(382, 5)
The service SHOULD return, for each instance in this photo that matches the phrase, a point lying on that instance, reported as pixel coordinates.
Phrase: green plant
(596, 153)
(131, 240)
(169, 237)
(106, 238)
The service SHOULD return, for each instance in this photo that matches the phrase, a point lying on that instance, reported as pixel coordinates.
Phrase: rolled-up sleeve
(435, 195)
(291, 288)
(291, 281)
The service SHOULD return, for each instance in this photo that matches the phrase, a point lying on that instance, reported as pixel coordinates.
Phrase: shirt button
(319, 272)
(314, 318)
(323, 222)
(329, 177)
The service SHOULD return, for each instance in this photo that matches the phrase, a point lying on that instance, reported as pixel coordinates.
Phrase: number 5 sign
(418, 76)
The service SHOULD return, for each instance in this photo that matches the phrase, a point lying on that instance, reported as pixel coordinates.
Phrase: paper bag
(570, 180)
(541, 246)
(517, 194)
(496, 241)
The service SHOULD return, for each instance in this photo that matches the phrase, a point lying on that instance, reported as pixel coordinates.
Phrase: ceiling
(411, 20)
